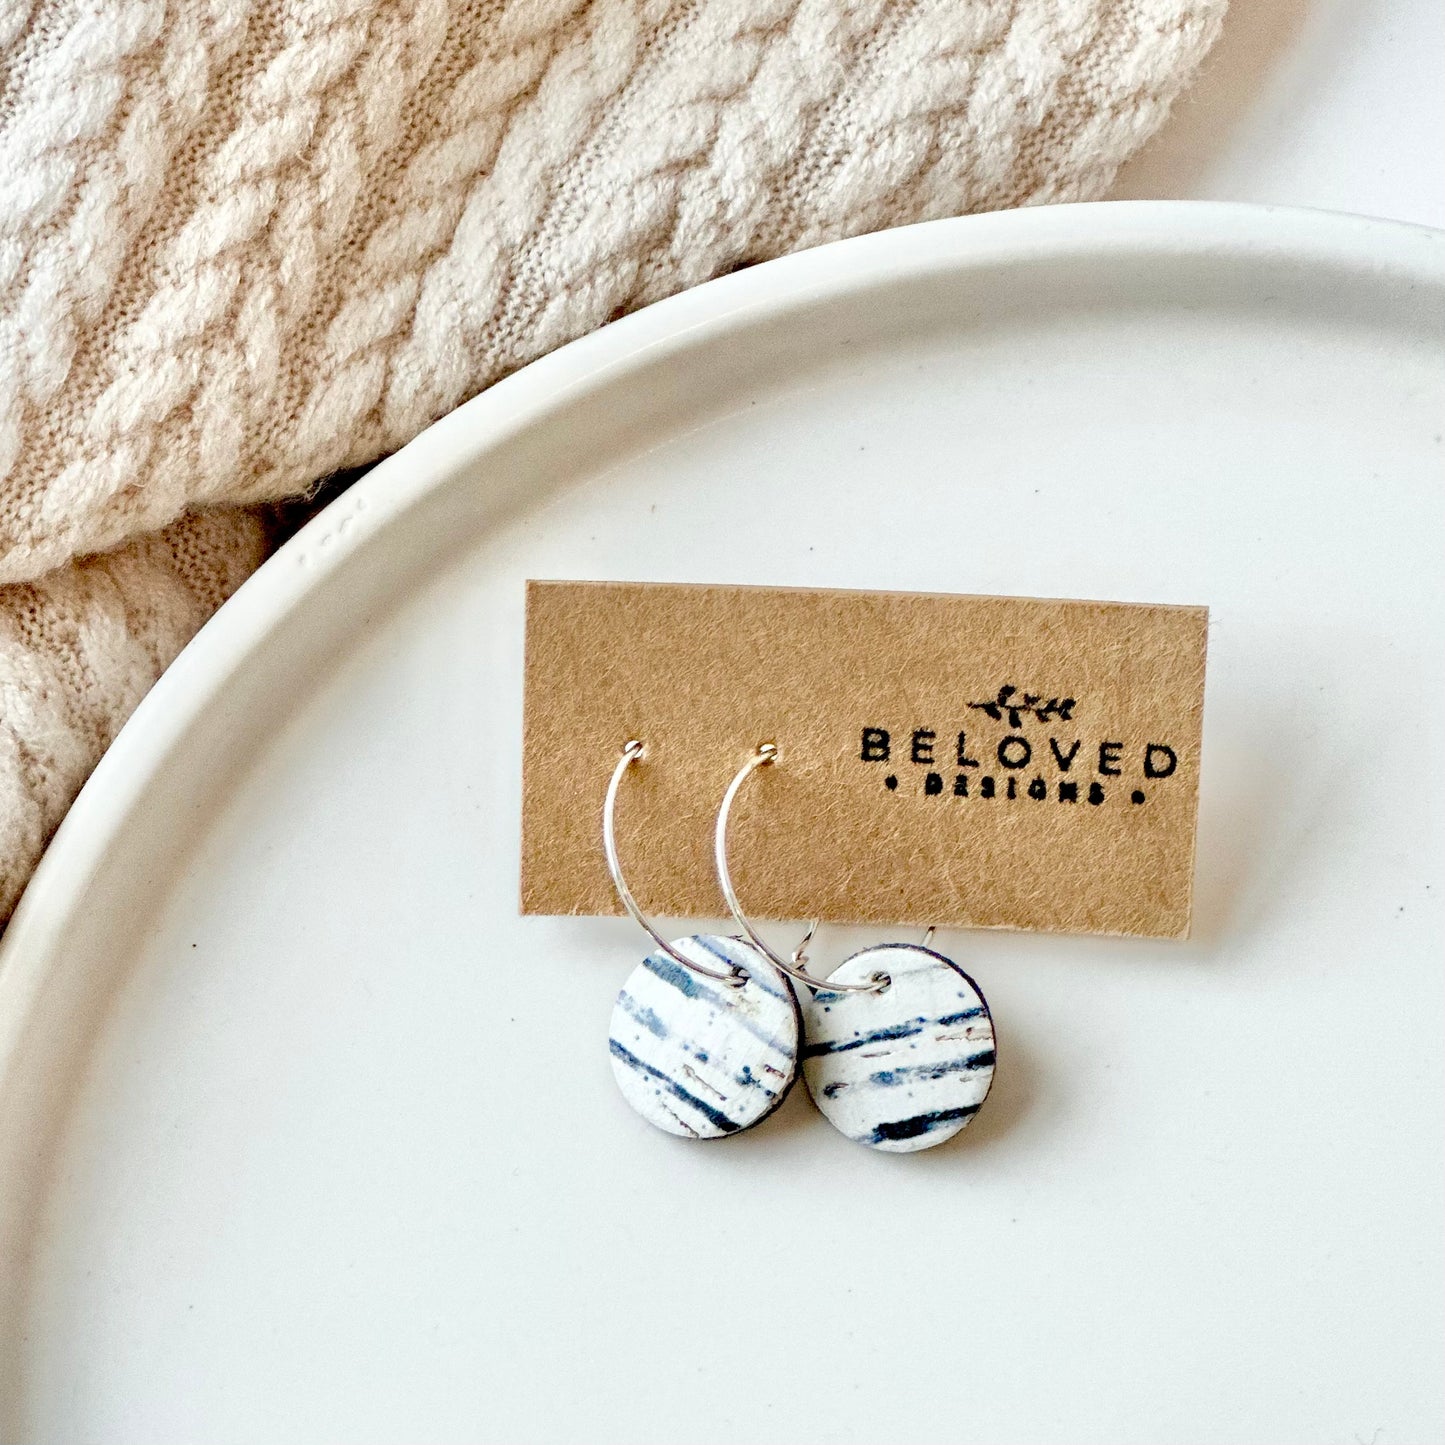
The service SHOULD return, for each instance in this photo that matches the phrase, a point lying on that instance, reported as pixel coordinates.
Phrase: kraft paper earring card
(995, 762)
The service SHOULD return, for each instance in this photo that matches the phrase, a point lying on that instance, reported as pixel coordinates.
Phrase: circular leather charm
(696, 1057)
(906, 1068)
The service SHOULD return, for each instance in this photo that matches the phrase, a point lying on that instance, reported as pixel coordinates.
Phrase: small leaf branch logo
(1017, 706)
(1034, 758)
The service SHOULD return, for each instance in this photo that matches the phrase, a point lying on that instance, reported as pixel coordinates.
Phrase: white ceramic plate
(305, 1135)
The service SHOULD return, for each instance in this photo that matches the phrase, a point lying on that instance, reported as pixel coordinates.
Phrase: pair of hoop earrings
(896, 1044)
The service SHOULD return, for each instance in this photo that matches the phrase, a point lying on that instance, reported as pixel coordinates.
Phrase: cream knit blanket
(247, 243)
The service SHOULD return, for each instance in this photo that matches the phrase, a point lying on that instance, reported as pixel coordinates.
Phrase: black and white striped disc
(696, 1057)
(904, 1069)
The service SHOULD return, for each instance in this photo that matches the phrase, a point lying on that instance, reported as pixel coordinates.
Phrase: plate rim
(1179, 230)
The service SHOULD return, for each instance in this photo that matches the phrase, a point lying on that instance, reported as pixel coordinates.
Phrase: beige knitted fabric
(246, 243)
(78, 650)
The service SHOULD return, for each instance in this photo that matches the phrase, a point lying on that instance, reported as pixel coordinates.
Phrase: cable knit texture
(247, 243)
(78, 649)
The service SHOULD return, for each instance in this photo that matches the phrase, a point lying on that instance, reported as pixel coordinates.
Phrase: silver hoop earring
(705, 1032)
(899, 1047)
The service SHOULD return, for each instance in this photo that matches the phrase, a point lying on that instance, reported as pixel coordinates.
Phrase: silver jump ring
(765, 754)
(632, 751)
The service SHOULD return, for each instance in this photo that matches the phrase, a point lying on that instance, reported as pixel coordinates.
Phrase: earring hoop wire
(766, 754)
(632, 751)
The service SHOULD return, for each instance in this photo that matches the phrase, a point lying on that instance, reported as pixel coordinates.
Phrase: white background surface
(315, 1182)
(1338, 104)
(323, 1135)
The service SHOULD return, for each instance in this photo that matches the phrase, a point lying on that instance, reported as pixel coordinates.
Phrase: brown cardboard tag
(998, 762)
